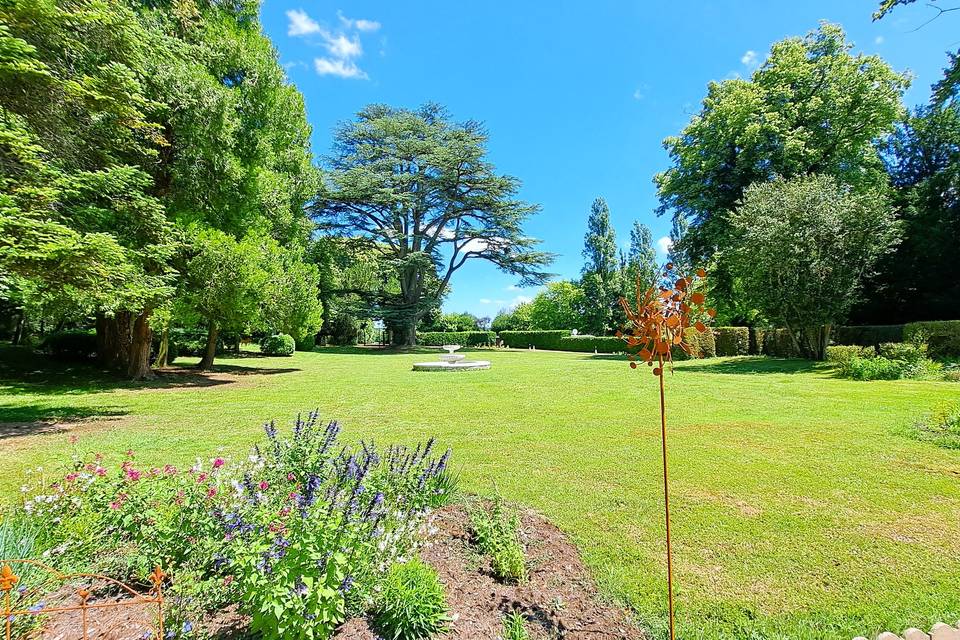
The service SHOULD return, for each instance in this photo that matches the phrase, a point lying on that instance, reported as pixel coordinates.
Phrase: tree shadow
(41, 419)
(390, 351)
(749, 365)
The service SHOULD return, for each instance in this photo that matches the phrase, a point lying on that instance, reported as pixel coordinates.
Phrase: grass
(801, 508)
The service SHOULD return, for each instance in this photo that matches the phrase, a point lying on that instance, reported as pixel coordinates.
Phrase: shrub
(193, 342)
(756, 341)
(842, 354)
(941, 427)
(732, 341)
(545, 339)
(411, 605)
(71, 345)
(593, 344)
(943, 336)
(906, 351)
(513, 627)
(868, 335)
(878, 368)
(497, 534)
(463, 338)
(279, 344)
(778, 344)
(307, 342)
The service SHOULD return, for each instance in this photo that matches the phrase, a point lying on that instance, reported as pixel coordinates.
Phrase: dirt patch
(109, 616)
(559, 600)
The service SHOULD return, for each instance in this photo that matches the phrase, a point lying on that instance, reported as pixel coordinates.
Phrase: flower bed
(299, 536)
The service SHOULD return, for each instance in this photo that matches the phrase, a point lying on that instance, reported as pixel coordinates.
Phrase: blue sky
(577, 96)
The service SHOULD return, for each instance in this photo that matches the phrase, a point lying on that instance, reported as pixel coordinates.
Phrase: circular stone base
(462, 365)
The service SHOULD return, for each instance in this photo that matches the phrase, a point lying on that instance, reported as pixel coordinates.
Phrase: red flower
(211, 492)
(217, 463)
(264, 485)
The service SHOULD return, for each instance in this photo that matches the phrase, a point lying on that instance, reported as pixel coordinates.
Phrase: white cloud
(340, 46)
(517, 301)
(637, 94)
(486, 301)
(359, 24)
(339, 68)
(664, 244)
(301, 24)
(512, 287)
(878, 40)
(749, 59)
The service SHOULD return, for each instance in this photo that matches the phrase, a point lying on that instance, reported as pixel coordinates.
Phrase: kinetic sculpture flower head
(663, 313)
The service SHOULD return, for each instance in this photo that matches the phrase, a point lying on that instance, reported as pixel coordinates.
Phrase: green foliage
(811, 107)
(411, 605)
(732, 341)
(514, 628)
(463, 338)
(877, 368)
(802, 249)
(77, 345)
(384, 162)
(943, 337)
(600, 278)
(307, 342)
(516, 319)
(560, 306)
(278, 344)
(496, 532)
(593, 344)
(551, 339)
(843, 354)
(906, 351)
(868, 335)
(777, 343)
(450, 322)
(702, 345)
(941, 426)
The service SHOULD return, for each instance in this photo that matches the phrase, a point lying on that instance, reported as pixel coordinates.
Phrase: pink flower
(133, 475)
(98, 457)
(129, 453)
(100, 471)
(264, 485)
(217, 463)
(291, 477)
(71, 477)
(169, 469)
(211, 492)
(227, 581)
(201, 478)
(114, 505)
(285, 511)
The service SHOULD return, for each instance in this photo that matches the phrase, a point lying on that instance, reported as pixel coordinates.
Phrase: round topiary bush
(279, 344)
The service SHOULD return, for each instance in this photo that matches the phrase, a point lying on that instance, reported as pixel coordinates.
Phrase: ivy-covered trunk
(210, 352)
(138, 359)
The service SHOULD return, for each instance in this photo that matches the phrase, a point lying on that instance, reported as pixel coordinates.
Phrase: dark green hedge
(732, 341)
(943, 337)
(463, 338)
(868, 335)
(777, 344)
(73, 344)
(593, 344)
(539, 339)
(702, 345)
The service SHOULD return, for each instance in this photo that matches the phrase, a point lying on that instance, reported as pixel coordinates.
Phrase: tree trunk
(113, 340)
(18, 329)
(138, 358)
(405, 333)
(164, 350)
(206, 363)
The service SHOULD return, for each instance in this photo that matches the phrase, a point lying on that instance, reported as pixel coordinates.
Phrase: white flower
(24, 488)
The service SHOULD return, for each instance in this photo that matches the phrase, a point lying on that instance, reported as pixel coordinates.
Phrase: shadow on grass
(752, 365)
(373, 350)
(40, 419)
(23, 371)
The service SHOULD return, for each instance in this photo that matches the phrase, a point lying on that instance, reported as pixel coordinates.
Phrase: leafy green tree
(419, 187)
(812, 107)
(802, 249)
(600, 277)
(641, 260)
(225, 284)
(917, 281)
(559, 306)
(516, 319)
(289, 300)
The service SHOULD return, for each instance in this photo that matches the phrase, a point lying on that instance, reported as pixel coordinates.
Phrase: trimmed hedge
(943, 337)
(463, 338)
(593, 344)
(756, 341)
(74, 344)
(703, 345)
(550, 339)
(279, 344)
(732, 341)
(868, 335)
(307, 342)
(844, 353)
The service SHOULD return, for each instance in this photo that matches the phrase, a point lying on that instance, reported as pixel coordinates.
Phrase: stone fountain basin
(452, 357)
(456, 365)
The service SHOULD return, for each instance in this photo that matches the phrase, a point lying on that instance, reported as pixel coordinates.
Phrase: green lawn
(801, 510)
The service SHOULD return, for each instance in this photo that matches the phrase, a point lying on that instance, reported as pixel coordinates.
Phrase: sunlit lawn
(800, 508)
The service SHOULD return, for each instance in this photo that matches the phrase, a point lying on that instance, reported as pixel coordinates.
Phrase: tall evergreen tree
(601, 269)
